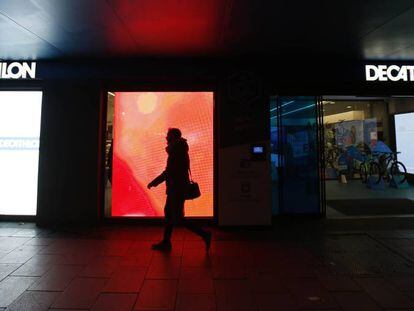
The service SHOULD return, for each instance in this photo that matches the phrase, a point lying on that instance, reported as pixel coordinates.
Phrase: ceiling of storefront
(47, 29)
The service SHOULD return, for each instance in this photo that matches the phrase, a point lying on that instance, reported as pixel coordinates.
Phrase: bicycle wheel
(363, 172)
(398, 172)
(375, 172)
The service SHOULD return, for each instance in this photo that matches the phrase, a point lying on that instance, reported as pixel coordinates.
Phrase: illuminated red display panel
(141, 120)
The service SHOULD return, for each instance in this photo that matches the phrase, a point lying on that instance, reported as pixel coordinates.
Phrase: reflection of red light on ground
(141, 120)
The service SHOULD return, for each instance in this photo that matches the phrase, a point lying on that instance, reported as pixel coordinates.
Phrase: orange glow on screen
(141, 120)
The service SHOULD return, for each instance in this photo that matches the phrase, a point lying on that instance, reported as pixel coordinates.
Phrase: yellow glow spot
(147, 102)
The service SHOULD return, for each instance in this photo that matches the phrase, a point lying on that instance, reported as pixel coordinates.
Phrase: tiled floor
(113, 268)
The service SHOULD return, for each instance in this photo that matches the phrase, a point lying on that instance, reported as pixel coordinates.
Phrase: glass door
(295, 136)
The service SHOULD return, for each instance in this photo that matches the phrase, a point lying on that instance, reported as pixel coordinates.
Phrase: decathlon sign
(18, 70)
(389, 73)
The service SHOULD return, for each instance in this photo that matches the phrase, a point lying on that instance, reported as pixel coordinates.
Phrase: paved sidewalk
(289, 268)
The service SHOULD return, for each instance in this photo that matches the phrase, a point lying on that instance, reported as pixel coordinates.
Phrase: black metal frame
(280, 148)
(321, 155)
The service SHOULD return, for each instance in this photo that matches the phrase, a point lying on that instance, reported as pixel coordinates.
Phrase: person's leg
(165, 244)
(169, 224)
(192, 226)
(204, 234)
(168, 229)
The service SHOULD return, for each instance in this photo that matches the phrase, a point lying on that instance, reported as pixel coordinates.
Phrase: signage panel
(392, 73)
(18, 70)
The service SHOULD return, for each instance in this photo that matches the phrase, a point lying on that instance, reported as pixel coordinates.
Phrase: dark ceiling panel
(45, 29)
(173, 27)
(403, 54)
(19, 43)
(393, 40)
(277, 27)
(303, 27)
(359, 18)
(77, 27)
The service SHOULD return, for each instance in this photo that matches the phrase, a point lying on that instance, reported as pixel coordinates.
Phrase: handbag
(193, 190)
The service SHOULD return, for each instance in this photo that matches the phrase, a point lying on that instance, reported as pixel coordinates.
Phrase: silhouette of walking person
(176, 177)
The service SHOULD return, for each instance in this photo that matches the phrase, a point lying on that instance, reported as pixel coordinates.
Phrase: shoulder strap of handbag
(191, 177)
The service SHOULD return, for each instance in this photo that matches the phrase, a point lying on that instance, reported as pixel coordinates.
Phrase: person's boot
(207, 240)
(162, 246)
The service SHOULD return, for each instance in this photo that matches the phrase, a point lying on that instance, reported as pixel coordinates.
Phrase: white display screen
(20, 117)
(258, 149)
(404, 133)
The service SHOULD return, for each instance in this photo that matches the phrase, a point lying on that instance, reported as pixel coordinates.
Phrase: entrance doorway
(137, 123)
(296, 183)
(369, 158)
(20, 117)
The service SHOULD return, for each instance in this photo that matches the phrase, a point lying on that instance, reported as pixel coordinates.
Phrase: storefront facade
(71, 172)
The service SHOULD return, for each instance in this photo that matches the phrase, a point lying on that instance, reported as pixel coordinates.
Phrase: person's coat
(176, 174)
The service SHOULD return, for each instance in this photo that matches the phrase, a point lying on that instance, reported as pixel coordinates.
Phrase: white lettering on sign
(389, 73)
(17, 70)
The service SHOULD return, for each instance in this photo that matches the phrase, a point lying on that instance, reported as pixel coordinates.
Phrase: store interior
(368, 156)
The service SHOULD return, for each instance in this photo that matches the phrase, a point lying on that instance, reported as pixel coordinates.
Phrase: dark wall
(69, 152)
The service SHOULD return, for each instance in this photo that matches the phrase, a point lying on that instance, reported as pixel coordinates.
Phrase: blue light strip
(288, 103)
(299, 109)
(283, 105)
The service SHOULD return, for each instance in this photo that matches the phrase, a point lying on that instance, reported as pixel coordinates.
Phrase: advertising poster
(141, 121)
(349, 133)
(20, 117)
(404, 133)
(370, 131)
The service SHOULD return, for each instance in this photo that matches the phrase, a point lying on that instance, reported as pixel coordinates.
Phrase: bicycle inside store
(368, 155)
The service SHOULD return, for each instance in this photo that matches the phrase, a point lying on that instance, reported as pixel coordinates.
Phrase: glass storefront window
(137, 123)
(353, 129)
(365, 157)
(20, 118)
